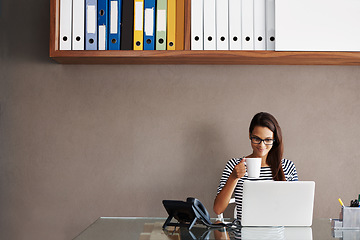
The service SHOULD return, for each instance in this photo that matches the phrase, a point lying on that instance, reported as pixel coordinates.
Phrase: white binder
(197, 28)
(78, 25)
(247, 24)
(222, 24)
(321, 25)
(209, 25)
(259, 25)
(270, 24)
(65, 24)
(235, 24)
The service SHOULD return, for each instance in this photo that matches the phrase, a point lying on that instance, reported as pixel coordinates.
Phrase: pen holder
(350, 217)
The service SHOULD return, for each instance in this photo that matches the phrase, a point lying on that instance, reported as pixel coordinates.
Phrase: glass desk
(136, 228)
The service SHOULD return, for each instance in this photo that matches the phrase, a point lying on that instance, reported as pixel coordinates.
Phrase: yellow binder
(171, 24)
(138, 24)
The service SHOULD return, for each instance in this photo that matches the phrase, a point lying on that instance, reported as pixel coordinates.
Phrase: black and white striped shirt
(265, 174)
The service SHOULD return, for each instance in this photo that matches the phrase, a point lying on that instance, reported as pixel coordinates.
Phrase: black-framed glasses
(258, 140)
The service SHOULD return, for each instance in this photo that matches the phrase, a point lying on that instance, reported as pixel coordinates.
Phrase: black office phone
(187, 213)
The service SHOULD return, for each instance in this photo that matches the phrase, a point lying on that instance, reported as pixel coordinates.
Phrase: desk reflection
(346, 234)
(281, 233)
(244, 233)
(115, 228)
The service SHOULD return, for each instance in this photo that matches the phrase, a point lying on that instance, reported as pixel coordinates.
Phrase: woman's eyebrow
(253, 135)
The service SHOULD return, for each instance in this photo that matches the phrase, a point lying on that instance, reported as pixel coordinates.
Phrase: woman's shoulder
(287, 164)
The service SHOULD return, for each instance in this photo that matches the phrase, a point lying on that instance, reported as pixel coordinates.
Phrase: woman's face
(261, 133)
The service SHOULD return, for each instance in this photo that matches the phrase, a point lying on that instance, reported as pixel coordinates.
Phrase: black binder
(127, 25)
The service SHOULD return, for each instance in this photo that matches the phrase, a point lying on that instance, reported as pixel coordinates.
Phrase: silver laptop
(278, 203)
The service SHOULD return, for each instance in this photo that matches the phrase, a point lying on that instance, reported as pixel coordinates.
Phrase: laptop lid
(278, 203)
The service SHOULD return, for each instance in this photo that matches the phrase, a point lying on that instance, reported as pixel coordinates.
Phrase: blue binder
(91, 25)
(149, 24)
(114, 24)
(102, 24)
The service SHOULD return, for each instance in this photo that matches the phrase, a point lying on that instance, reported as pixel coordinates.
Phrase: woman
(266, 142)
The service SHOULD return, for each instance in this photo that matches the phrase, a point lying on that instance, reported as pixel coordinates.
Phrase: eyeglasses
(258, 140)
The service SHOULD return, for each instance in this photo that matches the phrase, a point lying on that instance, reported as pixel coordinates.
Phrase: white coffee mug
(253, 166)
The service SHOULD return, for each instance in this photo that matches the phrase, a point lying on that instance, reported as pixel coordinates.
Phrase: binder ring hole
(113, 40)
(91, 40)
(78, 38)
(148, 41)
(161, 41)
(247, 39)
(235, 39)
(222, 39)
(197, 38)
(102, 12)
(65, 38)
(260, 39)
(210, 38)
(272, 39)
(138, 43)
(171, 44)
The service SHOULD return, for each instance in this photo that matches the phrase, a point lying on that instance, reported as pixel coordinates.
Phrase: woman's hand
(239, 170)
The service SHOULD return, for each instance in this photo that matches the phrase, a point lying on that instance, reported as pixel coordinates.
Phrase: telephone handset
(187, 213)
(199, 210)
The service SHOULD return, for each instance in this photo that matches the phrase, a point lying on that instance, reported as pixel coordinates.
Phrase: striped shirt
(265, 174)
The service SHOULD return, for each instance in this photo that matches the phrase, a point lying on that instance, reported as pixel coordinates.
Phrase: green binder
(161, 19)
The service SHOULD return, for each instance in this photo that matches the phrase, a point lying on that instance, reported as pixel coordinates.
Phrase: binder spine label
(139, 16)
(161, 23)
(102, 37)
(114, 17)
(149, 20)
(91, 19)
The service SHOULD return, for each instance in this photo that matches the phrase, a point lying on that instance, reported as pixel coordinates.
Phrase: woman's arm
(291, 171)
(222, 199)
(224, 196)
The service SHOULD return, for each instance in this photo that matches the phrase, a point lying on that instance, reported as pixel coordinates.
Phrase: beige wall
(80, 142)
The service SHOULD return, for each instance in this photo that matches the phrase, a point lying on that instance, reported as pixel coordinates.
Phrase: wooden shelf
(206, 57)
(189, 56)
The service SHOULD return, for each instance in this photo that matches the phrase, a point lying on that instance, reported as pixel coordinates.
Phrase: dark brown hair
(274, 157)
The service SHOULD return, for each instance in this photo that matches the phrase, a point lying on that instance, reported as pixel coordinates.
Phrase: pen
(341, 202)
